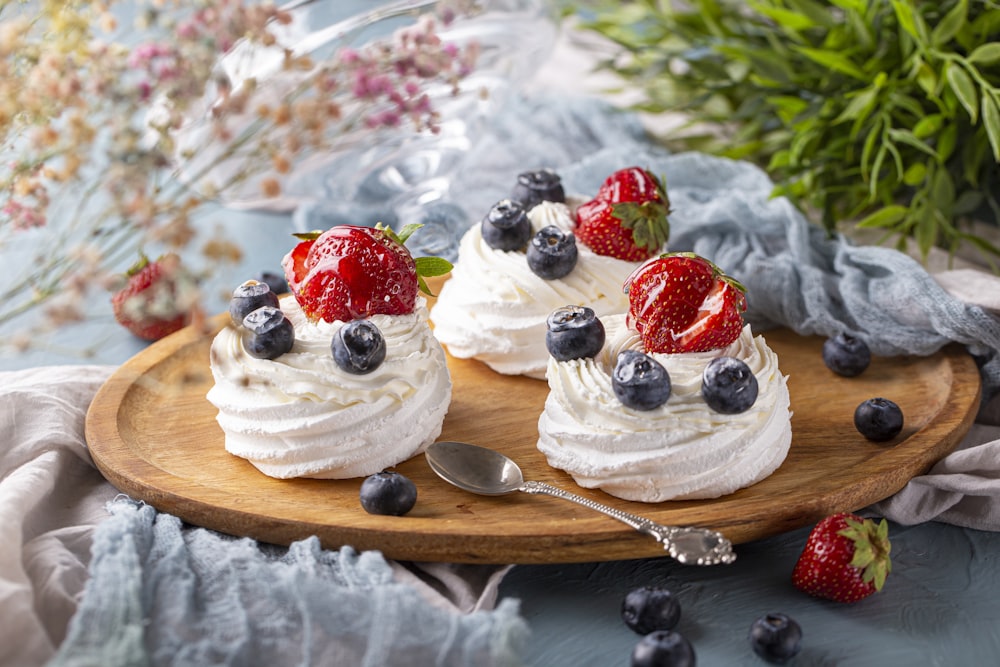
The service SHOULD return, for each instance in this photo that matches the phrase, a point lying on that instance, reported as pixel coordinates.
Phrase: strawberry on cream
(301, 415)
(493, 308)
(681, 450)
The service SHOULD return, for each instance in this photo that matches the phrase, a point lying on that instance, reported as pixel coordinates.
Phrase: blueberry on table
(574, 332)
(358, 347)
(846, 355)
(534, 187)
(776, 637)
(878, 419)
(663, 648)
(728, 385)
(650, 608)
(389, 493)
(269, 334)
(552, 253)
(248, 297)
(639, 381)
(506, 226)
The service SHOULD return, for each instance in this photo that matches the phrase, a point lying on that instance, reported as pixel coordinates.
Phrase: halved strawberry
(157, 298)
(845, 558)
(348, 272)
(628, 217)
(680, 302)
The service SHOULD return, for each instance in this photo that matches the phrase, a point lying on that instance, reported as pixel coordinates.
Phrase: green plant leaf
(991, 120)
(928, 126)
(858, 6)
(788, 19)
(833, 60)
(911, 20)
(915, 174)
(859, 107)
(907, 137)
(964, 89)
(948, 27)
(986, 54)
(887, 217)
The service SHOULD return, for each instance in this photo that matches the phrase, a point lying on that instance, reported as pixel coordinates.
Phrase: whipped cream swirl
(681, 450)
(301, 415)
(493, 308)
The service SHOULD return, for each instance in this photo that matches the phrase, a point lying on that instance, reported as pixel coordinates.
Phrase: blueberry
(728, 385)
(552, 253)
(878, 419)
(248, 297)
(358, 347)
(846, 355)
(506, 226)
(269, 334)
(639, 381)
(388, 492)
(534, 187)
(663, 648)
(574, 332)
(776, 638)
(275, 281)
(650, 608)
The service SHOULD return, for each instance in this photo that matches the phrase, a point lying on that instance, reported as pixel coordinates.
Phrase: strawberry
(845, 559)
(157, 298)
(628, 217)
(680, 302)
(348, 273)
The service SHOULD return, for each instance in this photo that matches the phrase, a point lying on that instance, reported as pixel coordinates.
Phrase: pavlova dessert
(342, 377)
(536, 251)
(676, 399)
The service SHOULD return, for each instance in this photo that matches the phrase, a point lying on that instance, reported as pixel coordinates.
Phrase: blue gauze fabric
(161, 593)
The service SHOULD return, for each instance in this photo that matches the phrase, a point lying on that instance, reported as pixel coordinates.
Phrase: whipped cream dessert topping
(493, 308)
(301, 415)
(681, 450)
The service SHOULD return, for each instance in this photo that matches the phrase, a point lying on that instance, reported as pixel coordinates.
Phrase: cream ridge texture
(302, 416)
(493, 308)
(679, 451)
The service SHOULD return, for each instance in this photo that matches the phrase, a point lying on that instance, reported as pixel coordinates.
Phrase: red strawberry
(157, 299)
(681, 302)
(845, 559)
(628, 218)
(349, 273)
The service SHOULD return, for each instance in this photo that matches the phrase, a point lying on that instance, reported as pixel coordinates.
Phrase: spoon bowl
(476, 469)
(487, 472)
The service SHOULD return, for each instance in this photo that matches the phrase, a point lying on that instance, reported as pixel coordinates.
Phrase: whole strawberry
(628, 217)
(156, 299)
(845, 559)
(680, 302)
(348, 273)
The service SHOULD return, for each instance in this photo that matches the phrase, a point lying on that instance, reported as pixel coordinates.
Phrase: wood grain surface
(153, 434)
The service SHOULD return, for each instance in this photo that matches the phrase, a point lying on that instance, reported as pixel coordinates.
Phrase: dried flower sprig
(115, 139)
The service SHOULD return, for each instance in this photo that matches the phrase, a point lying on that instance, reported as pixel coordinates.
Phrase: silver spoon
(490, 473)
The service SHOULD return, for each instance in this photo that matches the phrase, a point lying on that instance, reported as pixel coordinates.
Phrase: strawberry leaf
(432, 266)
(429, 267)
(308, 236)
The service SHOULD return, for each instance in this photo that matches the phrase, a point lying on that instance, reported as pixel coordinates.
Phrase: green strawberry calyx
(871, 549)
(647, 221)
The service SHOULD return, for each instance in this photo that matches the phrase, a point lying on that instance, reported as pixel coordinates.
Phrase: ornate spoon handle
(687, 544)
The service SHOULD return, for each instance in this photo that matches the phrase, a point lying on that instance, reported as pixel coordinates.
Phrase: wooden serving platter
(154, 436)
